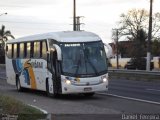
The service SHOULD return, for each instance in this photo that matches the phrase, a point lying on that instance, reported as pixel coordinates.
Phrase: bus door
(55, 66)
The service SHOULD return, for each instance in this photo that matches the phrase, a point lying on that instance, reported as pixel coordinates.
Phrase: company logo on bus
(37, 64)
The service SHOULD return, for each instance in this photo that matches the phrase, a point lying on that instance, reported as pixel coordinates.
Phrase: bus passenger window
(15, 51)
(36, 49)
(41, 49)
(28, 50)
(9, 50)
(21, 54)
(44, 50)
(32, 50)
(18, 50)
(12, 50)
(25, 50)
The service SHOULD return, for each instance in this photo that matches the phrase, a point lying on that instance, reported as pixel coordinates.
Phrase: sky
(28, 17)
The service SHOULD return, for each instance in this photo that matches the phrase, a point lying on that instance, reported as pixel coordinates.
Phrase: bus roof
(65, 36)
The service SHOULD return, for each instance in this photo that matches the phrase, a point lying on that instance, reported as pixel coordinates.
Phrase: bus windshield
(83, 59)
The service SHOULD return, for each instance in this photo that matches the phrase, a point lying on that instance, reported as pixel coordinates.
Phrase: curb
(44, 111)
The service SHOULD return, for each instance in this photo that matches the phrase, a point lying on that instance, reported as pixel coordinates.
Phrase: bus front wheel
(47, 90)
(49, 94)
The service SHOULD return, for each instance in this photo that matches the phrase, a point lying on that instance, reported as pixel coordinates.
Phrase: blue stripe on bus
(26, 76)
(19, 65)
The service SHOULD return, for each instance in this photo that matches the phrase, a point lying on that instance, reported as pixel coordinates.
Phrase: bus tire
(18, 84)
(55, 91)
(55, 94)
(89, 94)
(47, 89)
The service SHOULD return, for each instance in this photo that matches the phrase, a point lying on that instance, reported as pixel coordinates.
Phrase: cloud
(20, 7)
(37, 16)
(104, 2)
(26, 3)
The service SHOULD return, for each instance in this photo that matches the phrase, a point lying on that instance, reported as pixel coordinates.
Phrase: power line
(3, 14)
(24, 22)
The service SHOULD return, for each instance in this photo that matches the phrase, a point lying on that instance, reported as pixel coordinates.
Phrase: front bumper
(69, 89)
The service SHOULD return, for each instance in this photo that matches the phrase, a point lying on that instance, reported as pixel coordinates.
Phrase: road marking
(4, 78)
(153, 90)
(129, 98)
(2, 72)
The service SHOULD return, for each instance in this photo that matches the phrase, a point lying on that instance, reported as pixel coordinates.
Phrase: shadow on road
(70, 97)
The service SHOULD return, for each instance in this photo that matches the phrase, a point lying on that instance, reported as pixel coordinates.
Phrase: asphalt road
(144, 90)
(2, 73)
(98, 106)
(149, 91)
(69, 104)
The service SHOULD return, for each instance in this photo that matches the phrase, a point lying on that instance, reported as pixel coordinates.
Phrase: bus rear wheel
(18, 85)
(89, 94)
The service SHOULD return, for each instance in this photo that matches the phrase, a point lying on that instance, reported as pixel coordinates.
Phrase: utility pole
(78, 23)
(76, 19)
(74, 15)
(149, 39)
(117, 45)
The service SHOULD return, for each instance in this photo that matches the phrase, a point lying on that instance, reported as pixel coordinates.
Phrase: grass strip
(11, 106)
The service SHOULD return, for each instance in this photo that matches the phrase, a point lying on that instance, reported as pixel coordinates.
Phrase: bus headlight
(68, 82)
(104, 79)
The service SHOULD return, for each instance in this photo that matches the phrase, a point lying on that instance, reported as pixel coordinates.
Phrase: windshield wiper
(92, 65)
(78, 64)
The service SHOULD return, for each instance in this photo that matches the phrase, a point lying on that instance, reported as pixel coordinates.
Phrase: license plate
(87, 89)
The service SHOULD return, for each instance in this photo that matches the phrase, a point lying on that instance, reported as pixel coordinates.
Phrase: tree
(139, 44)
(135, 20)
(4, 35)
(3, 38)
(133, 26)
(155, 47)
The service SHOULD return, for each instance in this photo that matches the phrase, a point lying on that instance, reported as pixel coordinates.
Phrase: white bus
(58, 63)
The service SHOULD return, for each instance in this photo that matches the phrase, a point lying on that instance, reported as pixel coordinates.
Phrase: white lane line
(129, 98)
(153, 90)
(4, 78)
(2, 72)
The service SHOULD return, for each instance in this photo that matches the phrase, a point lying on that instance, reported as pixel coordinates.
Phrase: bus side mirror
(108, 50)
(59, 52)
(7, 48)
